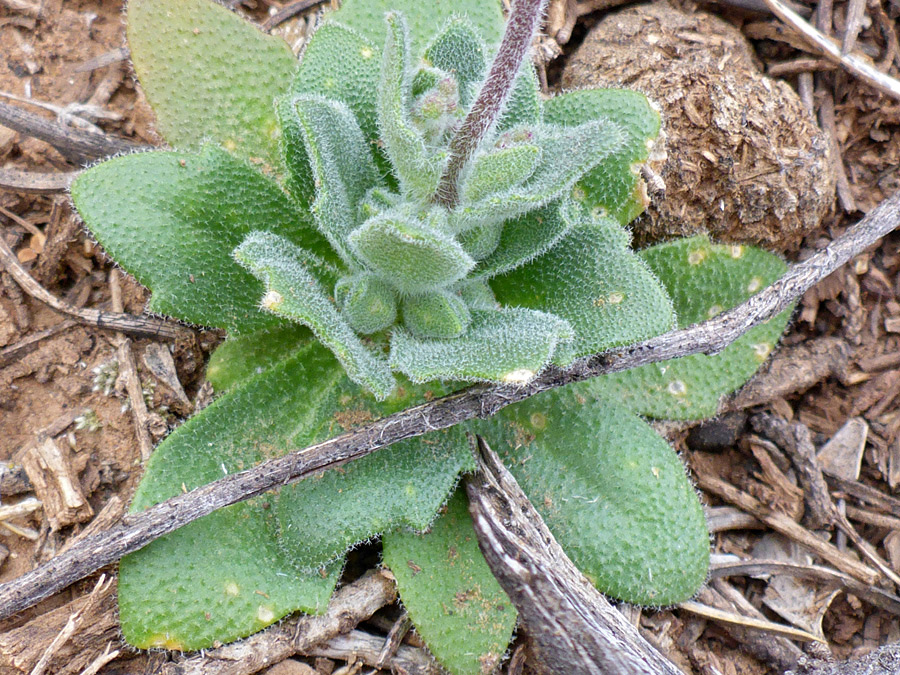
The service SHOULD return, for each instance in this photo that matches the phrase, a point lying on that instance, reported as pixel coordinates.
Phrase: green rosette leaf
(703, 279)
(452, 597)
(191, 57)
(614, 188)
(595, 282)
(614, 494)
(172, 219)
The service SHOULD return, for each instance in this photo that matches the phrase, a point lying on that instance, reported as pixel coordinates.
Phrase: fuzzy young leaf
(367, 16)
(367, 302)
(566, 155)
(340, 164)
(508, 345)
(224, 576)
(417, 168)
(435, 315)
(294, 292)
(411, 255)
(595, 282)
(172, 219)
(614, 494)
(499, 170)
(525, 238)
(614, 188)
(482, 240)
(458, 50)
(454, 601)
(703, 279)
(191, 59)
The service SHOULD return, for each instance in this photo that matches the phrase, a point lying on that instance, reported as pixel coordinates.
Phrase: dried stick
(576, 630)
(127, 323)
(853, 63)
(480, 401)
(80, 145)
(35, 183)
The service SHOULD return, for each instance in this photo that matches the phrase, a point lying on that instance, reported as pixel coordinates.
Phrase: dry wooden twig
(79, 145)
(126, 323)
(289, 11)
(575, 629)
(855, 64)
(138, 529)
(35, 183)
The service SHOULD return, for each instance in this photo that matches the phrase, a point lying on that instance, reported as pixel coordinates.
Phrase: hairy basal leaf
(509, 345)
(613, 188)
(172, 219)
(225, 576)
(191, 57)
(498, 170)
(703, 279)
(294, 292)
(593, 280)
(452, 598)
(614, 494)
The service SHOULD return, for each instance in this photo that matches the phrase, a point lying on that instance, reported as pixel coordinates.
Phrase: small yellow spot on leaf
(736, 251)
(538, 420)
(272, 300)
(265, 614)
(366, 52)
(754, 285)
(762, 350)
(677, 388)
(232, 589)
(696, 257)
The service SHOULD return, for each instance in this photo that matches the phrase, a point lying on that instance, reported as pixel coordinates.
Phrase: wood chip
(56, 484)
(842, 455)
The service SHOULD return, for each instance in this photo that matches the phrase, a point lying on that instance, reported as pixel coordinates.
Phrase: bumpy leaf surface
(224, 576)
(341, 65)
(595, 282)
(500, 170)
(452, 598)
(613, 188)
(458, 50)
(703, 279)
(278, 543)
(506, 345)
(367, 302)
(614, 494)
(367, 17)
(294, 292)
(191, 57)
(339, 163)
(172, 219)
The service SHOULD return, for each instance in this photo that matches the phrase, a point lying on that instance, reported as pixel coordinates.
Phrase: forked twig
(710, 337)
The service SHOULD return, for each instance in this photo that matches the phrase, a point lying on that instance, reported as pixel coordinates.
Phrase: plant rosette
(367, 247)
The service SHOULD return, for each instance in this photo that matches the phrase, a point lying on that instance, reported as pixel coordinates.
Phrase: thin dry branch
(480, 401)
(855, 64)
(35, 183)
(146, 326)
(74, 143)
